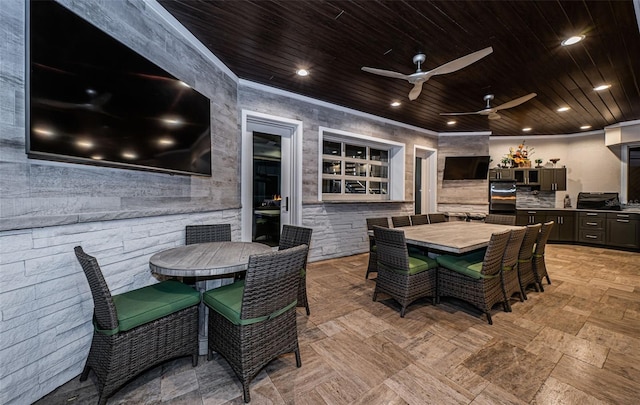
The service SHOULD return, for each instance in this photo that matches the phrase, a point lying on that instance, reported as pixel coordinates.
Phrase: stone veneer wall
(120, 216)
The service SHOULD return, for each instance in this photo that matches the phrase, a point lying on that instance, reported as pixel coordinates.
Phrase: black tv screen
(93, 100)
(466, 168)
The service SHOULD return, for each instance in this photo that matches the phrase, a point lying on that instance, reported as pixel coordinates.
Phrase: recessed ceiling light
(602, 87)
(395, 104)
(452, 122)
(302, 72)
(96, 157)
(43, 132)
(585, 127)
(129, 155)
(563, 109)
(527, 129)
(166, 141)
(572, 40)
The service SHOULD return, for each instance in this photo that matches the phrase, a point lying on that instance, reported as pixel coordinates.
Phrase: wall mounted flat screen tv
(93, 100)
(466, 168)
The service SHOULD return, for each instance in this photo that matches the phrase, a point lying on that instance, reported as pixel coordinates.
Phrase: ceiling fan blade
(459, 63)
(415, 91)
(494, 116)
(515, 102)
(387, 73)
(460, 113)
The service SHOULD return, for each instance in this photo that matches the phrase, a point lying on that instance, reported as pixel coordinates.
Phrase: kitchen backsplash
(527, 198)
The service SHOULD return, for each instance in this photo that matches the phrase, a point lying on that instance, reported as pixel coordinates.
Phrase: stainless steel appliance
(502, 197)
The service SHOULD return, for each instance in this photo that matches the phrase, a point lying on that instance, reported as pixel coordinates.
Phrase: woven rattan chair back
(394, 277)
(293, 236)
(104, 309)
(379, 221)
(500, 219)
(539, 264)
(207, 233)
(270, 287)
(492, 262)
(392, 248)
(436, 217)
(525, 267)
(372, 267)
(401, 221)
(271, 282)
(509, 275)
(420, 219)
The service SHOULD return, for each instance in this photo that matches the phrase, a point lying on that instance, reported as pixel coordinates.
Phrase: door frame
(270, 124)
(430, 163)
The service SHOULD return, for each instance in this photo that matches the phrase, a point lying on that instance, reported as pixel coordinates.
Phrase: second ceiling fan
(492, 112)
(419, 77)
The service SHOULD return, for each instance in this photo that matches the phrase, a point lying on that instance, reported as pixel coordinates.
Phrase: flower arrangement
(520, 156)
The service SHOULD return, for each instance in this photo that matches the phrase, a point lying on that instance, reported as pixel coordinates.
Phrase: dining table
(210, 265)
(456, 237)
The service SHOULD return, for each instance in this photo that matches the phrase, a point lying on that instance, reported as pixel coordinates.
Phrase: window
(357, 167)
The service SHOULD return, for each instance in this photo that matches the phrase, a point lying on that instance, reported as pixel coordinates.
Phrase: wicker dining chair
(372, 267)
(539, 265)
(419, 219)
(509, 272)
(500, 219)
(525, 265)
(475, 277)
(207, 233)
(436, 217)
(404, 277)
(253, 321)
(293, 236)
(138, 329)
(401, 221)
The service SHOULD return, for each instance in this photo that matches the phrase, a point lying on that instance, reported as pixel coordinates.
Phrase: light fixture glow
(563, 109)
(129, 155)
(527, 129)
(172, 121)
(43, 132)
(395, 104)
(83, 143)
(166, 141)
(452, 122)
(184, 84)
(96, 157)
(302, 72)
(602, 87)
(585, 127)
(572, 40)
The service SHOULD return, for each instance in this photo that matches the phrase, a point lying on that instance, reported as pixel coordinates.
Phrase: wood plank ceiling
(267, 41)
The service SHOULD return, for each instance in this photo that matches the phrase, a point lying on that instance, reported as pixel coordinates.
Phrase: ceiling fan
(419, 77)
(492, 112)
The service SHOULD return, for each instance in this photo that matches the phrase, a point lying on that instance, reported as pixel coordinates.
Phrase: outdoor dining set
(510, 260)
(251, 320)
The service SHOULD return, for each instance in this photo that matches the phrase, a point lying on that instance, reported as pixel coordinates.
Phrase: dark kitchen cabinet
(527, 177)
(553, 179)
(564, 228)
(501, 174)
(529, 217)
(623, 230)
(591, 227)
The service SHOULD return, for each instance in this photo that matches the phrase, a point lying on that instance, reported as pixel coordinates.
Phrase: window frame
(394, 164)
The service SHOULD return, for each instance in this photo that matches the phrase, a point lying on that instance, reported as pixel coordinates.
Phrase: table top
(455, 236)
(205, 259)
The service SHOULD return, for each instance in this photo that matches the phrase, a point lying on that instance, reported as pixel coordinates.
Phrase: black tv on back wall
(466, 168)
(93, 100)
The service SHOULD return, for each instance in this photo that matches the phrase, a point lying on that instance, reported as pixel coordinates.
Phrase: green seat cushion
(417, 264)
(469, 264)
(227, 301)
(147, 304)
